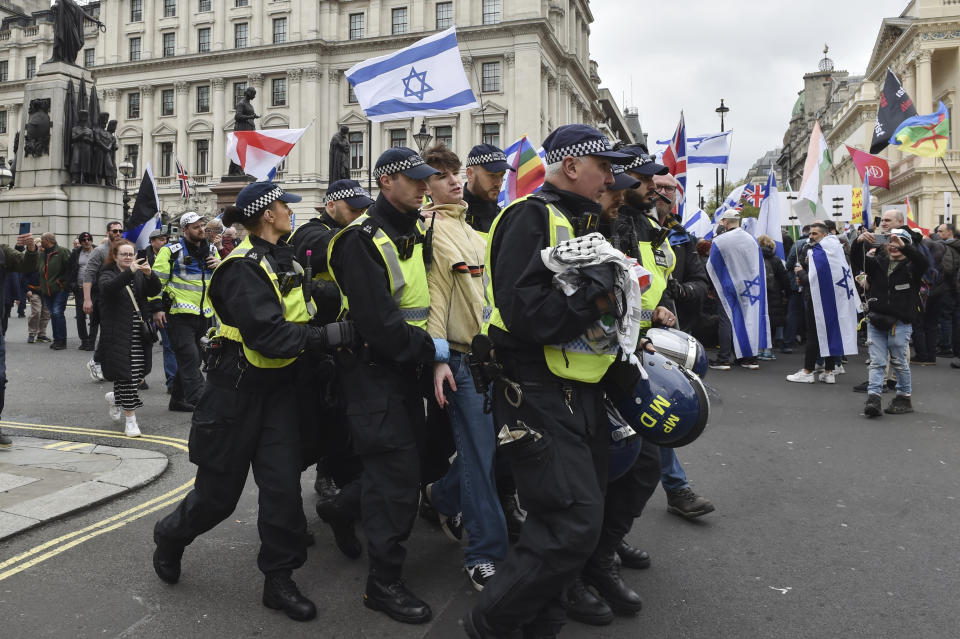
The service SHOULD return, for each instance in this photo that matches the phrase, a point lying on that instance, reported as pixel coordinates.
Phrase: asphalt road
(827, 525)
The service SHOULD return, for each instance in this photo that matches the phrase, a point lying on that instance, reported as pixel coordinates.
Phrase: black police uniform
(315, 236)
(380, 386)
(480, 213)
(563, 493)
(246, 417)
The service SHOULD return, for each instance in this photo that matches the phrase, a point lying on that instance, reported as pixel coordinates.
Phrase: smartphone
(24, 228)
(881, 238)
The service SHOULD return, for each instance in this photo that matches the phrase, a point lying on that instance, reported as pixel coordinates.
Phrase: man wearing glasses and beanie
(79, 258)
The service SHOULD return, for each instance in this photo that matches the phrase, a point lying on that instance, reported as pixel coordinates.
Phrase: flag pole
(370, 156)
(950, 175)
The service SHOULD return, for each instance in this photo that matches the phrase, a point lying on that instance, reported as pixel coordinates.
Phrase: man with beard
(486, 166)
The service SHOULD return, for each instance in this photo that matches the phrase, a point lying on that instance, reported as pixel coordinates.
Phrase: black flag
(895, 107)
(147, 203)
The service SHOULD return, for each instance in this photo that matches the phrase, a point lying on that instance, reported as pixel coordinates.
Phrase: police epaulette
(369, 227)
(254, 254)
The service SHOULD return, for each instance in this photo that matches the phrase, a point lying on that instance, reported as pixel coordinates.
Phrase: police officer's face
(592, 177)
(404, 193)
(445, 187)
(484, 184)
(610, 202)
(343, 212)
(280, 216)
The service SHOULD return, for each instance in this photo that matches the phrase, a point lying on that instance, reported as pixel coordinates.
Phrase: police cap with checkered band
(400, 159)
(257, 196)
(578, 140)
(350, 192)
(643, 163)
(489, 157)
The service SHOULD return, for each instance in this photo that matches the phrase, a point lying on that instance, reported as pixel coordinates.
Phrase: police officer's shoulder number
(175, 248)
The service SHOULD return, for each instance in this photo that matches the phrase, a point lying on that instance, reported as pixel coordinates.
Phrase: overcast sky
(687, 54)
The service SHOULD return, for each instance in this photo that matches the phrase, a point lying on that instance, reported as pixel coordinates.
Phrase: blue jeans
(169, 358)
(671, 472)
(794, 325)
(724, 336)
(894, 343)
(469, 486)
(56, 304)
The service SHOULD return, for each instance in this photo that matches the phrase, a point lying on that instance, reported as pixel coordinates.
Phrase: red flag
(878, 168)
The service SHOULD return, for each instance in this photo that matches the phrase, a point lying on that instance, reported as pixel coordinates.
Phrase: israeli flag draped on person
(426, 78)
(736, 268)
(731, 202)
(770, 218)
(835, 299)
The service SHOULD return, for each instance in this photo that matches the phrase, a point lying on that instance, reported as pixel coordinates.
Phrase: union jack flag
(675, 159)
(184, 180)
(754, 193)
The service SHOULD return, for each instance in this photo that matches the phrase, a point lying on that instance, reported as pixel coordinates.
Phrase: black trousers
(560, 482)
(83, 332)
(626, 497)
(384, 410)
(185, 331)
(812, 354)
(231, 431)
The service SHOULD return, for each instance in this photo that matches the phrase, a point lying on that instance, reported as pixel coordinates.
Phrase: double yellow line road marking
(54, 547)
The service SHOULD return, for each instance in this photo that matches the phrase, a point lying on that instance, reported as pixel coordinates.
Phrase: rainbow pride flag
(528, 171)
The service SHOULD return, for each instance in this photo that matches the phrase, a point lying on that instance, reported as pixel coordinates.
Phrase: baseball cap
(350, 192)
(730, 214)
(400, 159)
(189, 218)
(903, 234)
(158, 233)
(257, 196)
(622, 180)
(578, 140)
(643, 163)
(489, 157)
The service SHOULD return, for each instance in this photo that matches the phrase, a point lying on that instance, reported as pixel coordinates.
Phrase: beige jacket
(456, 277)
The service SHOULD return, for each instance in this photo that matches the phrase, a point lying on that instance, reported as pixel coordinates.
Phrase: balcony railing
(5, 35)
(357, 174)
(31, 31)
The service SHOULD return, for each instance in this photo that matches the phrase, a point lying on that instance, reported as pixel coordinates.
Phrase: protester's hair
(703, 248)
(900, 215)
(766, 241)
(820, 225)
(805, 229)
(214, 224)
(112, 255)
(111, 223)
(50, 237)
(831, 225)
(950, 227)
(442, 158)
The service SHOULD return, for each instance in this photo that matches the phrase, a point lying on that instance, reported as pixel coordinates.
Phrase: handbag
(147, 329)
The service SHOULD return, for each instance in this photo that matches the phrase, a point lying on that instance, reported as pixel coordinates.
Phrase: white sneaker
(828, 378)
(818, 369)
(839, 369)
(481, 574)
(801, 377)
(131, 429)
(116, 413)
(95, 373)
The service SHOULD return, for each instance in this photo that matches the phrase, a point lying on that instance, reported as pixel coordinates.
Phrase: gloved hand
(332, 336)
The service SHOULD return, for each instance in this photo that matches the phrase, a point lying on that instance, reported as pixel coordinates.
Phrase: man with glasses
(88, 279)
(78, 262)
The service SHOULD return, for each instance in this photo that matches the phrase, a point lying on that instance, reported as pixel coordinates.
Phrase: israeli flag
(835, 299)
(426, 78)
(736, 268)
(709, 151)
(698, 224)
(770, 218)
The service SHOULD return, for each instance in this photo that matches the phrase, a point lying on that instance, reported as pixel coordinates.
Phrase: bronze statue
(110, 159)
(81, 160)
(68, 20)
(36, 142)
(102, 143)
(340, 156)
(243, 120)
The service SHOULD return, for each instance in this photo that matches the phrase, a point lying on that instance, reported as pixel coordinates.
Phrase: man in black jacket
(892, 277)
(486, 167)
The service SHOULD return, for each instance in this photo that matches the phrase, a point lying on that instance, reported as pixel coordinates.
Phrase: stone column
(373, 20)
(148, 118)
(513, 92)
(297, 120)
(184, 32)
(256, 23)
(255, 80)
(311, 94)
(219, 26)
(465, 125)
(183, 119)
(333, 116)
(218, 141)
(924, 82)
(110, 99)
(148, 45)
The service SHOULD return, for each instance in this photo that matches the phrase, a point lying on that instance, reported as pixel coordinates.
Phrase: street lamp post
(422, 138)
(699, 193)
(721, 174)
(126, 170)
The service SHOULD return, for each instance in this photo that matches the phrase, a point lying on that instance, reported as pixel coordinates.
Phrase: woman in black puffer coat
(124, 352)
(778, 287)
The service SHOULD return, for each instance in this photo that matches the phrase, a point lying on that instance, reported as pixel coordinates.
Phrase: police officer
(246, 416)
(184, 269)
(486, 168)
(378, 262)
(548, 405)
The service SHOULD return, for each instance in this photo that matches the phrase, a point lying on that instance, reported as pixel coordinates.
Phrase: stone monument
(340, 156)
(236, 179)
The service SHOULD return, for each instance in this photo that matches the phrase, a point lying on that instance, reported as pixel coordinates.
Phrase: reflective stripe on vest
(658, 276)
(296, 308)
(187, 289)
(574, 360)
(407, 279)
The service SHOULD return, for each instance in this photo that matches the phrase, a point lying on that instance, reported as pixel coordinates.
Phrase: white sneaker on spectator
(116, 413)
(95, 373)
(839, 369)
(802, 377)
(828, 378)
(131, 429)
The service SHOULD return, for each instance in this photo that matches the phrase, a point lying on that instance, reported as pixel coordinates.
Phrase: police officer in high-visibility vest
(486, 168)
(184, 269)
(338, 470)
(379, 263)
(548, 405)
(246, 415)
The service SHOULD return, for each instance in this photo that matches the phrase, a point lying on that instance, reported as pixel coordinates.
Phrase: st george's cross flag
(259, 152)
(737, 271)
(835, 299)
(426, 78)
(675, 159)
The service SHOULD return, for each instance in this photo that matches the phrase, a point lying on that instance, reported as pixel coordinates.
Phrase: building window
(166, 102)
(204, 5)
(166, 159)
(444, 135)
(136, 10)
(399, 21)
(4, 71)
(238, 89)
(31, 66)
(203, 40)
(444, 15)
(356, 26)
(491, 134)
(169, 8)
(132, 153)
(490, 77)
(491, 11)
(134, 49)
(356, 149)
(240, 35)
(398, 137)
(88, 57)
(133, 106)
(351, 94)
(279, 92)
(203, 99)
(279, 30)
(169, 44)
(241, 3)
(203, 157)
(3, 125)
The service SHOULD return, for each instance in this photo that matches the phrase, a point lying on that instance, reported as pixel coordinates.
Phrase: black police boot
(633, 557)
(899, 405)
(281, 593)
(584, 606)
(180, 406)
(342, 524)
(872, 407)
(513, 514)
(688, 504)
(393, 599)
(166, 558)
(603, 573)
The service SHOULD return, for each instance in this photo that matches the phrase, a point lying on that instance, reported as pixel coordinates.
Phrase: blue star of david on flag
(412, 79)
(753, 297)
(844, 282)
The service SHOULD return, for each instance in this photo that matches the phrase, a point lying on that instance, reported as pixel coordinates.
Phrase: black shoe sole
(374, 605)
(273, 605)
(633, 564)
(161, 572)
(690, 514)
(872, 412)
(617, 606)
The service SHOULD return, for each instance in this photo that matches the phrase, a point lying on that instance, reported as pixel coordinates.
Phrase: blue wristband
(441, 350)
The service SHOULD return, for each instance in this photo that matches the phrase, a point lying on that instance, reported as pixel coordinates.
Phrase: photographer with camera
(892, 270)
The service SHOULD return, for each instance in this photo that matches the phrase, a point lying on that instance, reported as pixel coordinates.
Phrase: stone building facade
(171, 72)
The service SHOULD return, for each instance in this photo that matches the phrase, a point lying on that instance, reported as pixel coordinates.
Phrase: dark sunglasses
(115, 231)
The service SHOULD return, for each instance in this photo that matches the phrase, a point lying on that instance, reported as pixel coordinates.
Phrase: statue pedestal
(228, 188)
